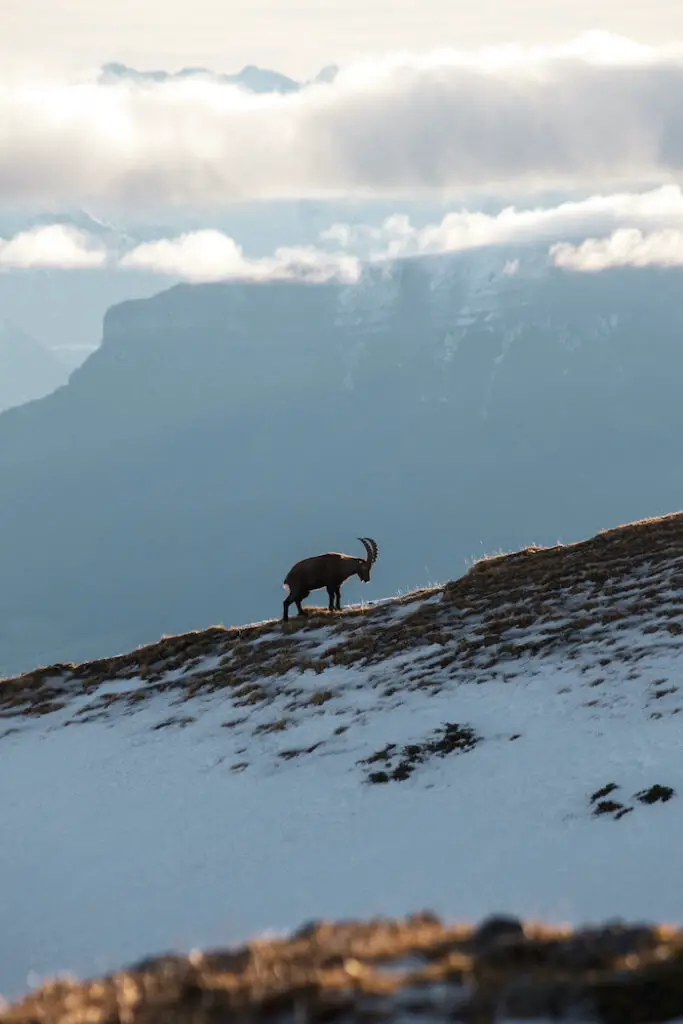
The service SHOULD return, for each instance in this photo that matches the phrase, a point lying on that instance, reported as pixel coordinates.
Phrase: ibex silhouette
(330, 571)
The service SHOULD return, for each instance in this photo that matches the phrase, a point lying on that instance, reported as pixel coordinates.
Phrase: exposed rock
(390, 970)
(655, 794)
(402, 762)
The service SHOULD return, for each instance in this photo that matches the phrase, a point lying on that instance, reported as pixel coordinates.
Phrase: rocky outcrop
(391, 970)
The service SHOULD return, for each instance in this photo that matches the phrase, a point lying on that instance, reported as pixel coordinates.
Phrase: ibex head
(366, 564)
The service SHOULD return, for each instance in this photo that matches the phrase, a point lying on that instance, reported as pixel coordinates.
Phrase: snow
(158, 827)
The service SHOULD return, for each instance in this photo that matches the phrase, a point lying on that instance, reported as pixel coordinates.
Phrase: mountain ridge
(250, 77)
(495, 580)
(211, 412)
(506, 744)
(28, 370)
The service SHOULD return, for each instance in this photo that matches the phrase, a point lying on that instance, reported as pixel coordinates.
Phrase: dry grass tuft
(532, 602)
(384, 969)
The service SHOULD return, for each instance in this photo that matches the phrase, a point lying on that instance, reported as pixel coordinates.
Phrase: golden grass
(481, 621)
(383, 968)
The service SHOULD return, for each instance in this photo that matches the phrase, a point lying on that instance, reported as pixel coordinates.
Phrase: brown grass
(382, 969)
(504, 608)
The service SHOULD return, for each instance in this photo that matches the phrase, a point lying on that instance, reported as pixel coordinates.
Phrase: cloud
(628, 247)
(656, 209)
(212, 256)
(56, 245)
(599, 113)
(636, 229)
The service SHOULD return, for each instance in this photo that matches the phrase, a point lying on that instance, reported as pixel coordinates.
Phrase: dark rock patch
(178, 720)
(289, 755)
(612, 807)
(496, 930)
(655, 794)
(601, 805)
(400, 763)
(605, 791)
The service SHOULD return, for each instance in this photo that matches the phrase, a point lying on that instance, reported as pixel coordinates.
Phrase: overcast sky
(299, 36)
(441, 119)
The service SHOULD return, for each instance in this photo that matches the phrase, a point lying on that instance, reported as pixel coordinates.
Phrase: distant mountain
(76, 218)
(251, 78)
(443, 406)
(68, 306)
(28, 370)
(327, 74)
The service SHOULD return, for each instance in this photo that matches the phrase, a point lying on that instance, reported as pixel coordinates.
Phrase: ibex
(329, 571)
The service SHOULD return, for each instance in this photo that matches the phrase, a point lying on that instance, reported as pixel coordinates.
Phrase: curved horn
(371, 548)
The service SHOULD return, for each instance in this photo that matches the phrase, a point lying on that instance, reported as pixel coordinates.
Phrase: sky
(299, 37)
(596, 112)
(500, 101)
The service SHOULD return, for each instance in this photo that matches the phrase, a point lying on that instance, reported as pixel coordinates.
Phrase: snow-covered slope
(507, 743)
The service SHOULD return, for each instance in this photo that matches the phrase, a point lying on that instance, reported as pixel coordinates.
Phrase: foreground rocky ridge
(415, 969)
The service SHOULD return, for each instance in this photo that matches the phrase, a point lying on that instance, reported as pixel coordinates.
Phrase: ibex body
(330, 571)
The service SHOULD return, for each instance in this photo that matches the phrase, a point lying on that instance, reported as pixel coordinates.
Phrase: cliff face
(223, 431)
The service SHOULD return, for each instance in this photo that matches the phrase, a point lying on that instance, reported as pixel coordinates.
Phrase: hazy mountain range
(251, 78)
(443, 406)
(65, 307)
(28, 369)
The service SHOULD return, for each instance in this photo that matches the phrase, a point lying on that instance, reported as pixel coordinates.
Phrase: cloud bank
(56, 245)
(628, 247)
(630, 219)
(601, 112)
(624, 229)
(212, 256)
(656, 209)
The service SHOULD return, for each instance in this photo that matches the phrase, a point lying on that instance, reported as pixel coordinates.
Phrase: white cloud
(602, 112)
(628, 247)
(657, 209)
(212, 256)
(56, 245)
(635, 229)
